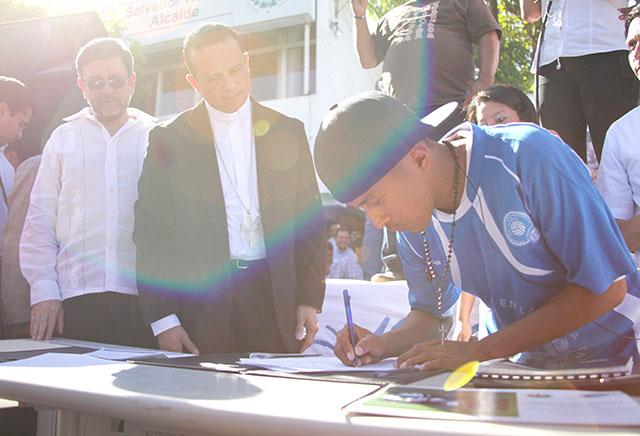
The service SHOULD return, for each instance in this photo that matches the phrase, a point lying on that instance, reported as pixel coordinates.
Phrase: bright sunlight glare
(57, 7)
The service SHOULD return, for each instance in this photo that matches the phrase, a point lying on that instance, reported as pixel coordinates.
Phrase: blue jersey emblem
(519, 229)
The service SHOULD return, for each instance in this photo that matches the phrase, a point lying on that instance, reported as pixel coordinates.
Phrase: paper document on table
(315, 364)
(530, 406)
(11, 345)
(125, 354)
(59, 360)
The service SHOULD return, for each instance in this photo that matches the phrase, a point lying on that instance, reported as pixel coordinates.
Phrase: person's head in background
(501, 104)
(16, 108)
(332, 230)
(633, 38)
(343, 238)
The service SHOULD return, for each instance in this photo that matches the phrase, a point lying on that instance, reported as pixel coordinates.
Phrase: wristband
(361, 17)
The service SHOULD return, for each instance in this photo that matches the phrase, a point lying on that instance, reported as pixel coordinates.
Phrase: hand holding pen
(350, 326)
(356, 345)
(369, 346)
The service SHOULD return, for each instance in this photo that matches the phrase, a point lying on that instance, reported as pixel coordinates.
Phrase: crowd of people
(206, 233)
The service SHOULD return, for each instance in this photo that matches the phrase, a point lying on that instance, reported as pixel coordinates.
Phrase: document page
(124, 354)
(310, 364)
(59, 360)
(13, 345)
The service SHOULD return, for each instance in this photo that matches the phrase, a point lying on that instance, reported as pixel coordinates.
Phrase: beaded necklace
(429, 270)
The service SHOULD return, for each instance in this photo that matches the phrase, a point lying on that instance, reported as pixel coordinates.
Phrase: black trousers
(108, 317)
(255, 326)
(592, 90)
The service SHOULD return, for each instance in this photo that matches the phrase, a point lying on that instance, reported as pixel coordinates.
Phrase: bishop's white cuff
(164, 324)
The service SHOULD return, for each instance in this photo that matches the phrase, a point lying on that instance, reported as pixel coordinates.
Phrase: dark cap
(361, 139)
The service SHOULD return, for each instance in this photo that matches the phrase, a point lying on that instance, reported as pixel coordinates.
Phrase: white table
(170, 402)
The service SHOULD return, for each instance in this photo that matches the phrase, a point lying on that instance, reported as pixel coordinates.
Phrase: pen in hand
(352, 332)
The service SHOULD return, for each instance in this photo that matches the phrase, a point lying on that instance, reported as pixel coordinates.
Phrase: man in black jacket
(229, 226)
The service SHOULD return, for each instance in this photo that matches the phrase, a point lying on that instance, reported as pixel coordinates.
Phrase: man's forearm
(488, 57)
(568, 310)
(466, 306)
(417, 327)
(530, 10)
(364, 44)
(631, 232)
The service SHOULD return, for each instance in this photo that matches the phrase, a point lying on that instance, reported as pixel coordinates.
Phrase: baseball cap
(361, 139)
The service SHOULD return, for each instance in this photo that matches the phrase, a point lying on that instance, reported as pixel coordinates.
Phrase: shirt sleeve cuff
(164, 324)
(44, 290)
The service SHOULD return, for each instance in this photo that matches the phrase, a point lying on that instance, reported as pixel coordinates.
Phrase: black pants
(592, 90)
(108, 317)
(255, 327)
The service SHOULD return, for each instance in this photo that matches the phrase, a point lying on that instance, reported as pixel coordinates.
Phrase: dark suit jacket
(181, 226)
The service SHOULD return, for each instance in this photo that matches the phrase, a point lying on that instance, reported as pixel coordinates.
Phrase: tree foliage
(15, 10)
(516, 46)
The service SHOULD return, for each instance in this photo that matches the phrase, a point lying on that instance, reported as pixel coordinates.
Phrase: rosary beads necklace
(440, 280)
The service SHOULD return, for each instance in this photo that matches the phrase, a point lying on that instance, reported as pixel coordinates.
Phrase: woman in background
(501, 104)
(498, 104)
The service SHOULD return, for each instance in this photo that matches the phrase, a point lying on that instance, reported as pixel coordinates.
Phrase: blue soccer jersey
(530, 222)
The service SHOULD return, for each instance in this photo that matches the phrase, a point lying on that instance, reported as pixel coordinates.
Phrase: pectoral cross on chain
(250, 227)
(442, 328)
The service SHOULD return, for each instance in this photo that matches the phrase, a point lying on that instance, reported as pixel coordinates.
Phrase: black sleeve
(310, 242)
(154, 233)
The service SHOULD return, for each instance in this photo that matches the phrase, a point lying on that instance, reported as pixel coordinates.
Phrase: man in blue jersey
(507, 213)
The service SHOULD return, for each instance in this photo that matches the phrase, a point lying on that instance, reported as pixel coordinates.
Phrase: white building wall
(338, 71)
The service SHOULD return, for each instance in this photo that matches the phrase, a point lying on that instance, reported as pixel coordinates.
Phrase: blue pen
(352, 331)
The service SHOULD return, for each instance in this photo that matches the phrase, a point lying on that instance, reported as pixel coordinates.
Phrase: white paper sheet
(124, 354)
(59, 360)
(14, 345)
(578, 407)
(316, 364)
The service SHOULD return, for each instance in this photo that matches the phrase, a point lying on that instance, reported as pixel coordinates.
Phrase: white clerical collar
(243, 112)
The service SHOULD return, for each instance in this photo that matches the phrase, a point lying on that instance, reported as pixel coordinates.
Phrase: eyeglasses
(99, 82)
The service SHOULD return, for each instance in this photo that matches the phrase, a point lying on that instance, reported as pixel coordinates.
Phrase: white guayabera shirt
(619, 177)
(77, 237)
(582, 27)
